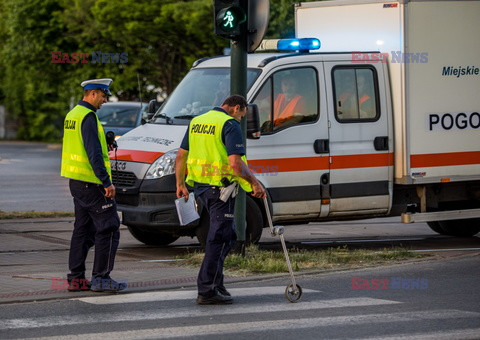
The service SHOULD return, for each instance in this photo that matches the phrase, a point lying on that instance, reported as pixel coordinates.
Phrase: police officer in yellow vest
(85, 162)
(213, 152)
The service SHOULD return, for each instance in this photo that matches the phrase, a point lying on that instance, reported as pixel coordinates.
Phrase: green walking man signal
(229, 18)
(240, 19)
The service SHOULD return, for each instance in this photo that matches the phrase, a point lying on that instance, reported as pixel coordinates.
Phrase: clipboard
(187, 210)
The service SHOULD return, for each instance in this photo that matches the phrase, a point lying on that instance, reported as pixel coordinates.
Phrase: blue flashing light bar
(302, 44)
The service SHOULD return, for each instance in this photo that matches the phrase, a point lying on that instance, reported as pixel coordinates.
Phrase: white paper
(187, 211)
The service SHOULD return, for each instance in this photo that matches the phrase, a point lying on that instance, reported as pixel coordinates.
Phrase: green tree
(3, 37)
(32, 85)
(161, 37)
(281, 21)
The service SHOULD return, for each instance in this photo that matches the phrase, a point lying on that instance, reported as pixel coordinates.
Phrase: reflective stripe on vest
(288, 110)
(75, 162)
(207, 158)
(364, 98)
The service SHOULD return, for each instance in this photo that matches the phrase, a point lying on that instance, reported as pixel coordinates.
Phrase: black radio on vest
(110, 137)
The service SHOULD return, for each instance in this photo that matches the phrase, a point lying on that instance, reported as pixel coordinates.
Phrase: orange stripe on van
(281, 164)
(135, 155)
(444, 159)
(362, 161)
(289, 164)
(321, 163)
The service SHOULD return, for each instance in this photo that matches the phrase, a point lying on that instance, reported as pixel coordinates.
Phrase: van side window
(289, 97)
(355, 92)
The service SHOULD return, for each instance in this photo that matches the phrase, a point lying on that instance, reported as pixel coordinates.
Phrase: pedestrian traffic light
(230, 16)
(242, 18)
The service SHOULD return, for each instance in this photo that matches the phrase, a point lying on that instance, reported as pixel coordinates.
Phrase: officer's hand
(182, 191)
(110, 192)
(258, 190)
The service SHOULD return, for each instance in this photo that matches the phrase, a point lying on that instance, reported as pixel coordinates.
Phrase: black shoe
(222, 290)
(78, 285)
(216, 299)
(107, 285)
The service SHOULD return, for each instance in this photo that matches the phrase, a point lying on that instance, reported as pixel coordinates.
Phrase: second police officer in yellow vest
(85, 162)
(213, 154)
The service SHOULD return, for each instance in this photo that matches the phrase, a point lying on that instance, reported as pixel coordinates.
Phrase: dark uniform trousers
(220, 240)
(96, 223)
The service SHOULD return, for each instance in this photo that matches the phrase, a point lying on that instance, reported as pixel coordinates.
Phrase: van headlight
(164, 165)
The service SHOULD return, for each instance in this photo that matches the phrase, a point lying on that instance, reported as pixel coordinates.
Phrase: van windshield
(200, 91)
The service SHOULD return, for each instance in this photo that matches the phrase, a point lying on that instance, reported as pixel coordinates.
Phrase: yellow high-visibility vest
(207, 158)
(75, 162)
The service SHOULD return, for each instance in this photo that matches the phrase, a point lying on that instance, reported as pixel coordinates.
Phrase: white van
(387, 123)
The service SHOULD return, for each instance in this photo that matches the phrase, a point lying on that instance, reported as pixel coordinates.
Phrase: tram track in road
(413, 244)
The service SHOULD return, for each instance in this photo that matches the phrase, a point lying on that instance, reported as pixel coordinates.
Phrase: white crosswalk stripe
(285, 324)
(187, 312)
(181, 295)
(89, 325)
(465, 334)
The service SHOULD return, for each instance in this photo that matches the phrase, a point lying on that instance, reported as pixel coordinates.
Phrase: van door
(293, 120)
(361, 161)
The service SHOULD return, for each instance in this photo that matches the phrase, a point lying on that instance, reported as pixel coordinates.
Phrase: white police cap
(98, 84)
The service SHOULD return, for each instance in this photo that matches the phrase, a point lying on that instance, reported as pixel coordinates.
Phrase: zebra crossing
(173, 314)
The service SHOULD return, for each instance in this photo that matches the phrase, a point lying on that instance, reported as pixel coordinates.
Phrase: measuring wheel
(292, 294)
(293, 291)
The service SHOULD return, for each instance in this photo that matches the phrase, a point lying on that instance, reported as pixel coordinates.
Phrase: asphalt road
(426, 300)
(30, 178)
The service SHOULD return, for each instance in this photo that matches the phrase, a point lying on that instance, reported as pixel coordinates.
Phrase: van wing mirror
(253, 122)
(152, 107)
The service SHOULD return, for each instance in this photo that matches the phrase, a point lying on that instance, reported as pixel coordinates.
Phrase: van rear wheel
(435, 226)
(254, 224)
(152, 238)
(462, 228)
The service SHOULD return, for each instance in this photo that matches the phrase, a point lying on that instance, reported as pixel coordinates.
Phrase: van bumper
(151, 206)
(153, 211)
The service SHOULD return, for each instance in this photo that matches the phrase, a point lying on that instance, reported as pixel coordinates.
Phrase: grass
(8, 215)
(257, 261)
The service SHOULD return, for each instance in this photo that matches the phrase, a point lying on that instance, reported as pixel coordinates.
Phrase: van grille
(123, 179)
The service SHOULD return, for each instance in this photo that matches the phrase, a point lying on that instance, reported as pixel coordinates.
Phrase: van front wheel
(254, 224)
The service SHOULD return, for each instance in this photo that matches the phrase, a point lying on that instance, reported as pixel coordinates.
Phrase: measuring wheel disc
(292, 293)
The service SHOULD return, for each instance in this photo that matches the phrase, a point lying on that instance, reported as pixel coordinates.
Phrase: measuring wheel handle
(293, 293)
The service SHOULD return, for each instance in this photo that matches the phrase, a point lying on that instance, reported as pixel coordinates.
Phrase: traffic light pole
(245, 23)
(238, 85)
